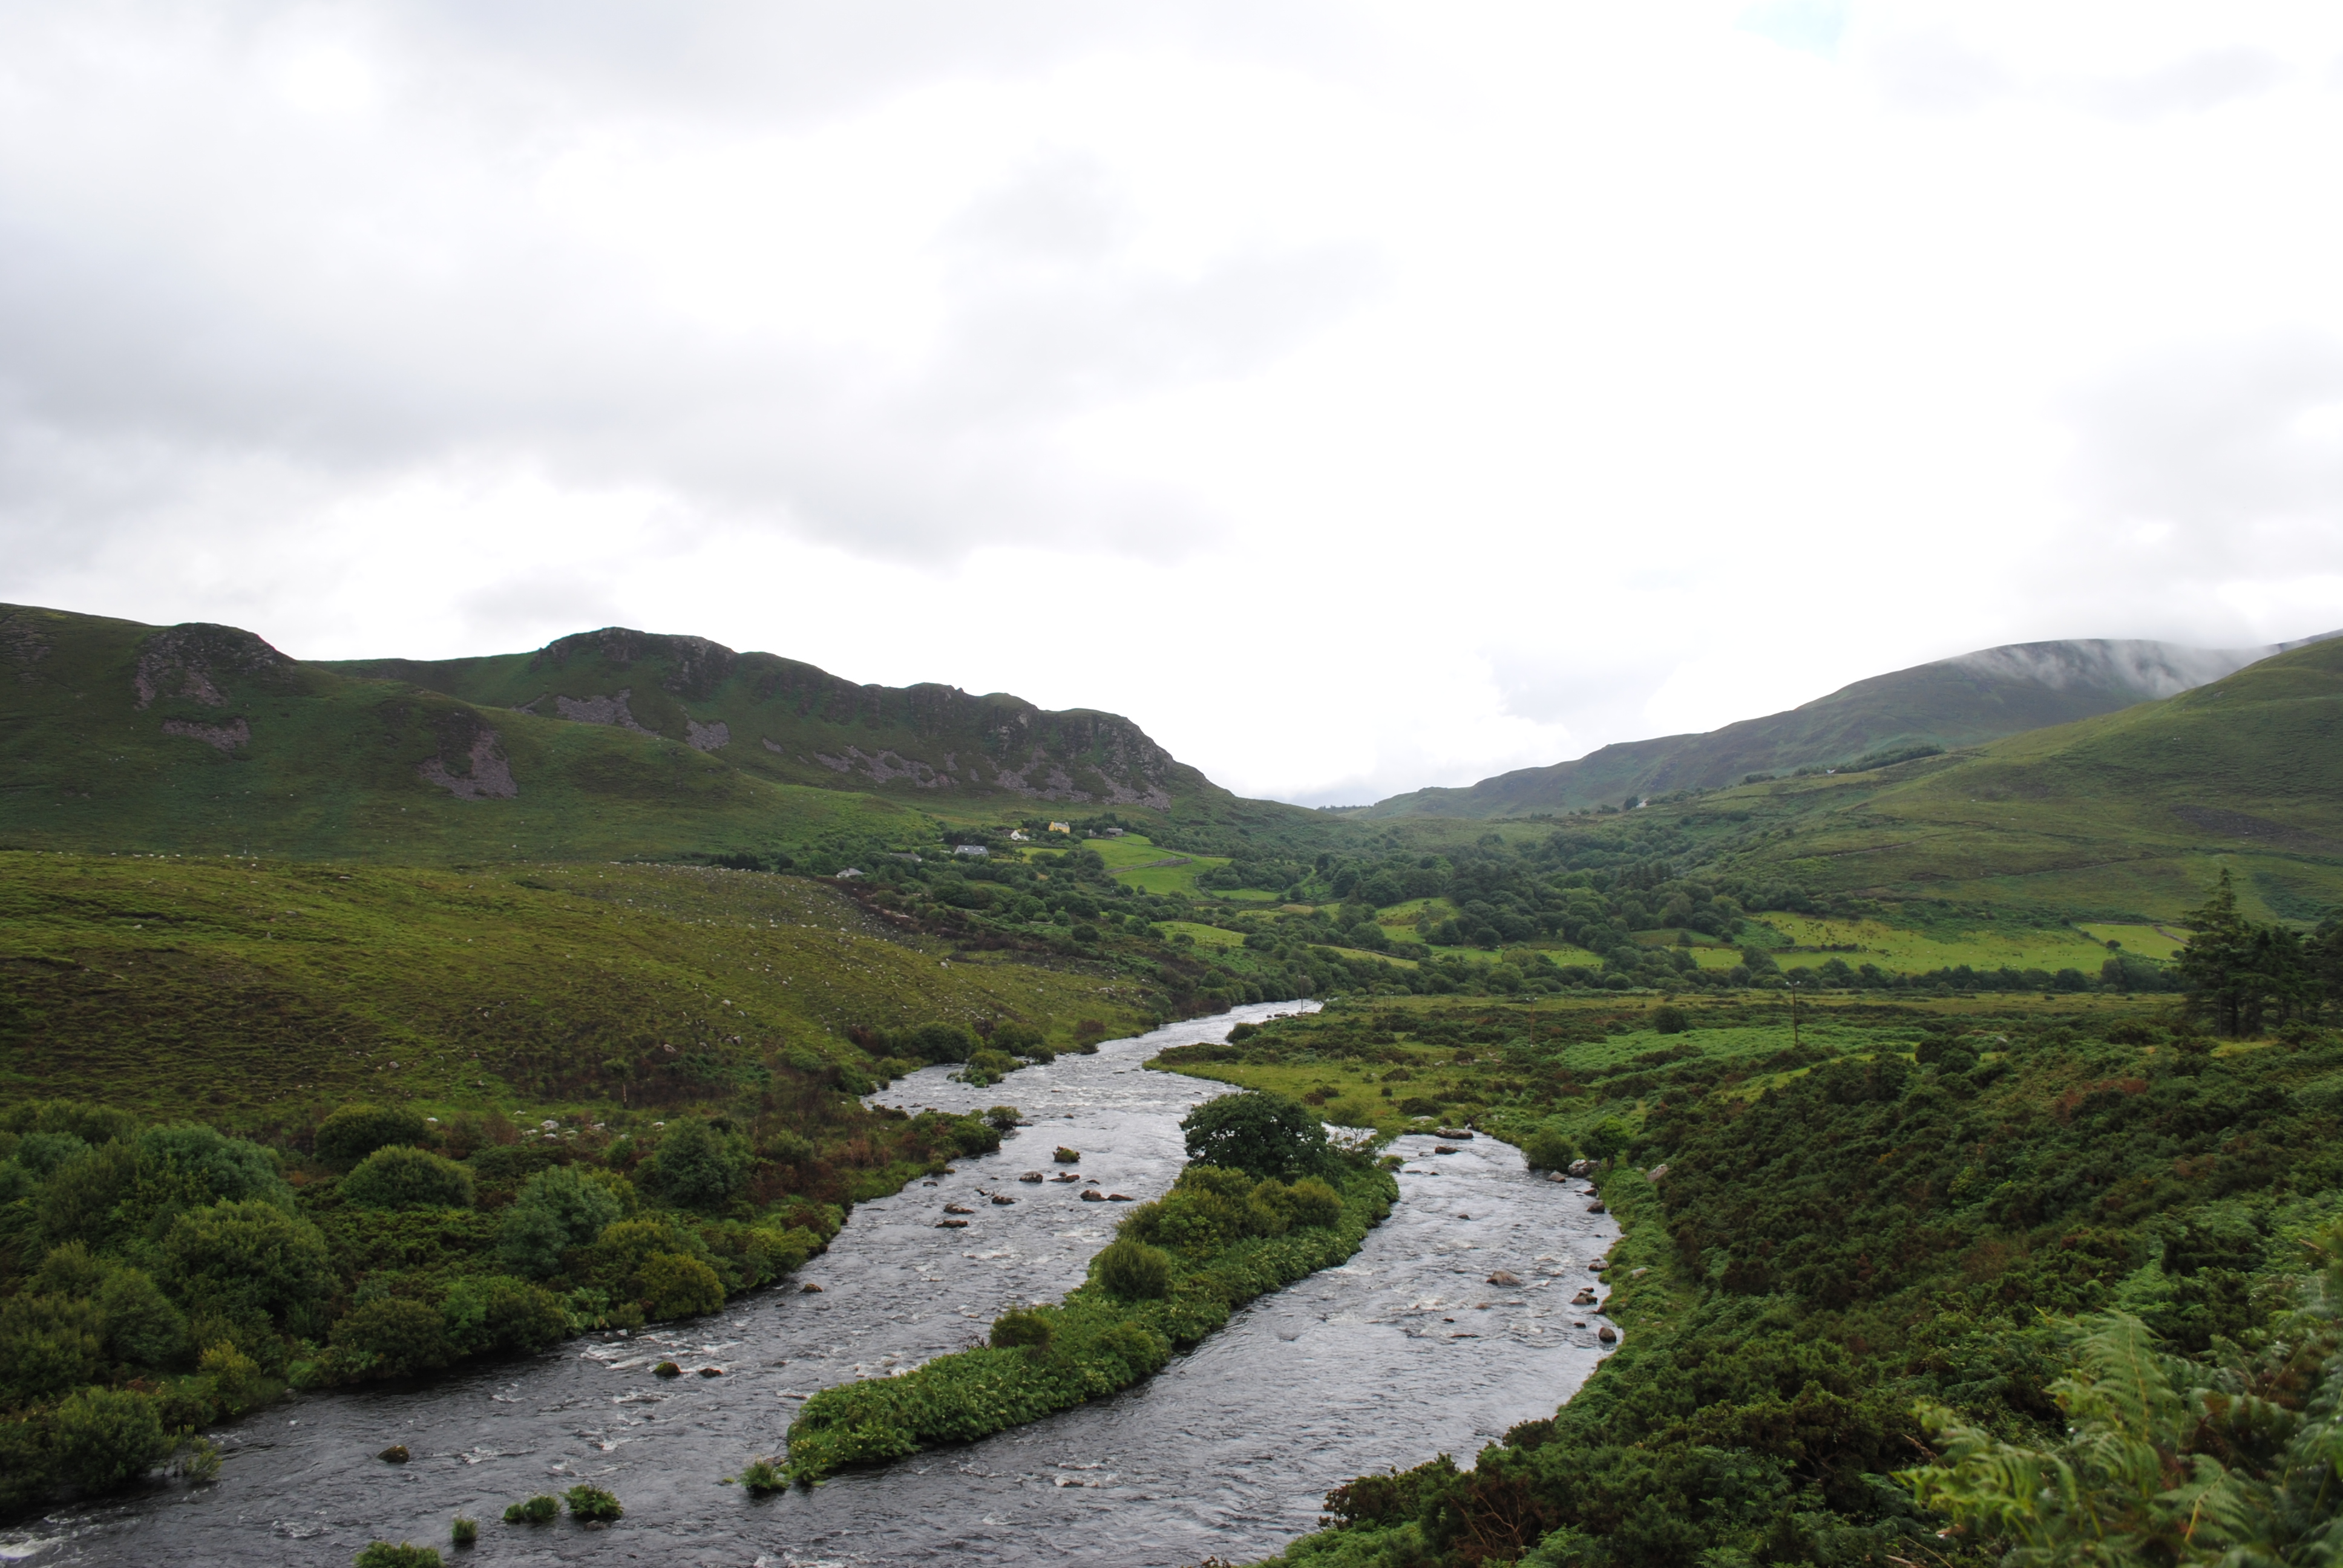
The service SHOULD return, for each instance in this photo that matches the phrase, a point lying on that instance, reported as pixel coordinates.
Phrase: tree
(104, 1437)
(393, 1337)
(699, 1164)
(248, 1257)
(1264, 1135)
(556, 1211)
(2239, 972)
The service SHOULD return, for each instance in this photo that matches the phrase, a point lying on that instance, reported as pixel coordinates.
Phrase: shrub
(185, 1166)
(398, 1176)
(103, 1437)
(383, 1554)
(1262, 1134)
(250, 1256)
(700, 1165)
(392, 1337)
(1314, 1203)
(463, 1532)
(355, 1131)
(1670, 1020)
(48, 1343)
(1021, 1331)
(485, 1313)
(556, 1210)
(671, 1285)
(940, 1042)
(592, 1502)
(236, 1380)
(540, 1510)
(1134, 1272)
(81, 1196)
(1609, 1139)
(761, 1476)
(1138, 1349)
(1548, 1149)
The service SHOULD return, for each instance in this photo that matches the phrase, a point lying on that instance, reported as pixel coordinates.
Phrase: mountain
(201, 738)
(1953, 702)
(2131, 810)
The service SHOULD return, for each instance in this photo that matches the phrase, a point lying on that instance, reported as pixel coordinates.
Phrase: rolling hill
(2128, 812)
(1953, 702)
(119, 736)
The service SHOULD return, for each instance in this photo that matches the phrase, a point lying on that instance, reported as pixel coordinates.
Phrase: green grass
(1204, 936)
(1129, 858)
(264, 993)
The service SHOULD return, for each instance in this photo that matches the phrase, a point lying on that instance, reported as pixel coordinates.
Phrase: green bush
(398, 1176)
(670, 1285)
(383, 1554)
(1609, 1139)
(248, 1257)
(1021, 1331)
(103, 1437)
(48, 1344)
(236, 1381)
(187, 1167)
(700, 1165)
(761, 1476)
(556, 1209)
(1134, 1272)
(1670, 1019)
(498, 1314)
(1548, 1148)
(1313, 1201)
(1260, 1134)
(540, 1510)
(392, 1337)
(355, 1131)
(462, 1531)
(1143, 1352)
(82, 1197)
(592, 1502)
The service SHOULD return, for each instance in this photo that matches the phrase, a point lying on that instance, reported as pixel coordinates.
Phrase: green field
(1131, 858)
(263, 993)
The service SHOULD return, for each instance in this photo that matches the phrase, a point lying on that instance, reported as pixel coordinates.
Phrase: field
(1906, 951)
(1130, 859)
(264, 993)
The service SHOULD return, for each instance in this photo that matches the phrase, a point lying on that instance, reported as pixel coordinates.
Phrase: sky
(1359, 397)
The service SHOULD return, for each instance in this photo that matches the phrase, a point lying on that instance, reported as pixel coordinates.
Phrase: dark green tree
(1264, 1135)
(699, 1164)
(355, 1131)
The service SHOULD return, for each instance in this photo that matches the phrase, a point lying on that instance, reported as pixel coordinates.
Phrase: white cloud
(1360, 398)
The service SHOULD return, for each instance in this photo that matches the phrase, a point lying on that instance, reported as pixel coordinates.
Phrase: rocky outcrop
(487, 773)
(707, 737)
(220, 738)
(194, 660)
(601, 710)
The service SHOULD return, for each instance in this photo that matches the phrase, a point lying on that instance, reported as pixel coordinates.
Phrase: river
(1405, 1352)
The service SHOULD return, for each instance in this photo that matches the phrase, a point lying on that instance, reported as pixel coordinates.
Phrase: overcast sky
(1359, 398)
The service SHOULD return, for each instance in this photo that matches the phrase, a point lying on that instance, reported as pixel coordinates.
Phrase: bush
(1142, 1352)
(700, 1165)
(1263, 1134)
(248, 1257)
(1021, 1331)
(1670, 1020)
(1134, 1272)
(392, 1337)
(463, 1532)
(761, 1476)
(496, 1313)
(592, 1502)
(236, 1380)
(556, 1210)
(1609, 1139)
(47, 1344)
(1065, 1156)
(103, 1437)
(185, 1166)
(355, 1131)
(82, 1196)
(670, 1285)
(938, 1042)
(1548, 1149)
(398, 1176)
(1314, 1203)
(383, 1554)
(538, 1510)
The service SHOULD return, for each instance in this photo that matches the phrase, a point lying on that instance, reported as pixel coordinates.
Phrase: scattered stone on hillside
(1655, 1173)
(395, 1455)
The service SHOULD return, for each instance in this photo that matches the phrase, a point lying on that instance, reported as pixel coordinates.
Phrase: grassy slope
(1949, 703)
(260, 995)
(2125, 815)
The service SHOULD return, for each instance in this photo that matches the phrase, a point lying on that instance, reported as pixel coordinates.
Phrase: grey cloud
(362, 313)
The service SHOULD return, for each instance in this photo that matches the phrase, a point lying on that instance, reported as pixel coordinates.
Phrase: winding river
(1405, 1352)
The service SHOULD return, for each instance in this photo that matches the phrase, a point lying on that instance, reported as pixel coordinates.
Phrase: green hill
(2127, 813)
(204, 738)
(1954, 702)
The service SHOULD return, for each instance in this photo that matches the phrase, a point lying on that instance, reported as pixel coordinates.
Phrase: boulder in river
(1597, 1207)
(1581, 1167)
(1585, 1297)
(1092, 1195)
(1461, 1134)
(1442, 1148)
(1030, 1176)
(1120, 1198)
(1065, 1156)
(958, 1209)
(951, 1224)
(808, 1289)
(1067, 1176)
(1504, 1277)
(395, 1455)
(667, 1369)
(1002, 1197)
(712, 1371)
(1607, 1334)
